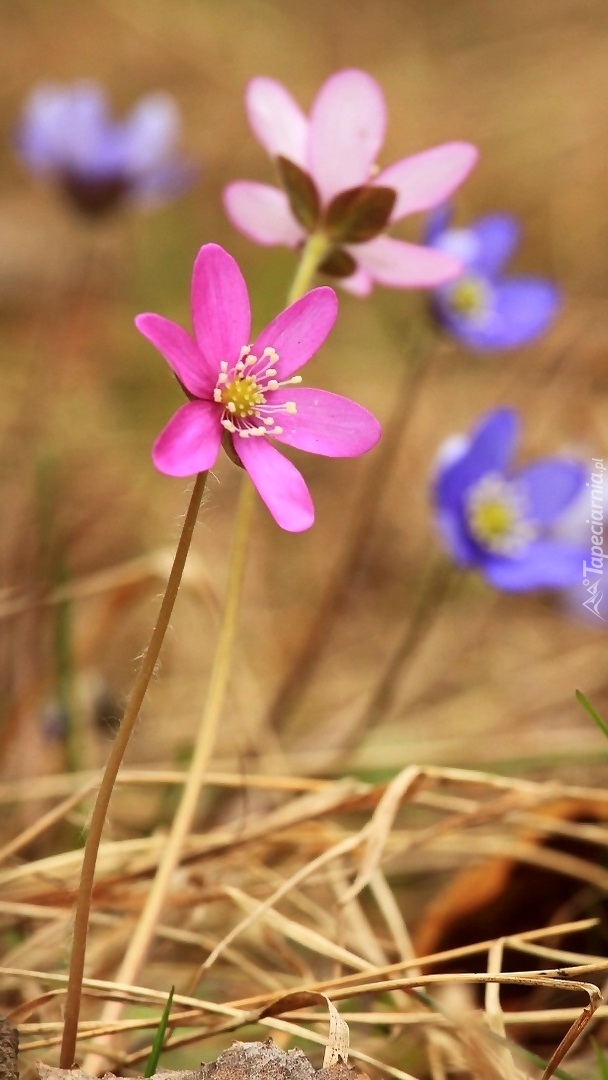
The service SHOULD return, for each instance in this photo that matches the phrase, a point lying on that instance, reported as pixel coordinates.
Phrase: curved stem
(146, 670)
(312, 254)
(144, 931)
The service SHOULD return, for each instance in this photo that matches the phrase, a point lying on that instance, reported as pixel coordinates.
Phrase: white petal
(405, 266)
(262, 213)
(425, 180)
(347, 126)
(276, 119)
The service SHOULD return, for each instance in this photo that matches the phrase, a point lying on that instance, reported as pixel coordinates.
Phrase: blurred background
(399, 667)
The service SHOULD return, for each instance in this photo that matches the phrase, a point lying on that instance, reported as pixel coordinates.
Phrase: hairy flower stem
(98, 818)
(139, 942)
(210, 716)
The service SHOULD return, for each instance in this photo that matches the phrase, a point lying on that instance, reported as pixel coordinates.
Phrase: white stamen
(241, 389)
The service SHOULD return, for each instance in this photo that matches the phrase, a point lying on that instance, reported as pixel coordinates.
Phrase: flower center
(495, 513)
(469, 297)
(242, 395)
(246, 392)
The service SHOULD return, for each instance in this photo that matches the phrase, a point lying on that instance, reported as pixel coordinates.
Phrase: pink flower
(249, 394)
(334, 152)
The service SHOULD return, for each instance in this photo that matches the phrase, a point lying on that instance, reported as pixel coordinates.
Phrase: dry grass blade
(338, 1037)
(380, 827)
(576, 1029)
(321, 861)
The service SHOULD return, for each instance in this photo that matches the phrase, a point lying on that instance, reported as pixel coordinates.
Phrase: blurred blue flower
(500, 522)
(66, 133)
(483, 309)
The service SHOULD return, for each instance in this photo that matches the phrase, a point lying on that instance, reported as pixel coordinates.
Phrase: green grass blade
(157, 1046)
(595, 716)
(602, 1062)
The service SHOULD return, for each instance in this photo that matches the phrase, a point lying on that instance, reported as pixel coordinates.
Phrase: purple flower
(483, 309)
(245, 395)
(65, 133)
(500, 521)
(328, 166)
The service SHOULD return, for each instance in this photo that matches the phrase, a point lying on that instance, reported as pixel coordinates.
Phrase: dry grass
(303, 894)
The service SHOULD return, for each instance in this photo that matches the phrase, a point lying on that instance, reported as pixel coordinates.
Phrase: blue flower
(66, 133)
(483, 309)
(499, 521)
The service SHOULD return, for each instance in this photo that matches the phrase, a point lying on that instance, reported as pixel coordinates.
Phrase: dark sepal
(301, 192)
(228, 446)
(359, 214)
(338, 263)
(95, 196)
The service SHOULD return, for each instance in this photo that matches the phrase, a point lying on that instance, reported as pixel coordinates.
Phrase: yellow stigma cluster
(495, 515)
(469, 297)
(243, 393)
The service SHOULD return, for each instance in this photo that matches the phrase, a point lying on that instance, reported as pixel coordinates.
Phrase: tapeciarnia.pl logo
(593, 571)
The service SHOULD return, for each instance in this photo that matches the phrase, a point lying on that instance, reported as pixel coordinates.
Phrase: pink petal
(262, 213)
(300, 330)
(190, 442)
(325, 423)
(180, 352)
(278, 483)
(405, 266)
(220, 305)
(359, 284)
(425, 180)
(347, 126)
(276, 119)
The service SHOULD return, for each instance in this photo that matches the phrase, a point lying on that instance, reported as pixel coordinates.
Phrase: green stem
(314, 251)
(87, 876)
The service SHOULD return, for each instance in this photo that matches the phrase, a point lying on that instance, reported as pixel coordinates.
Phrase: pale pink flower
(249, 393)
(337, 147)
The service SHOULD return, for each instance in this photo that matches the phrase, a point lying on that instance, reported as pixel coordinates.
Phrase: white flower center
(496, 515)
(243, 393)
